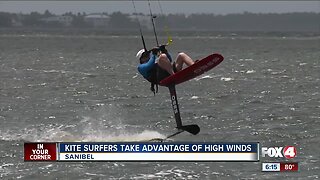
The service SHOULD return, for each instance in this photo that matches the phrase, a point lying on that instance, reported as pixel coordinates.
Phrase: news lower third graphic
(130, 151)
(168, 151)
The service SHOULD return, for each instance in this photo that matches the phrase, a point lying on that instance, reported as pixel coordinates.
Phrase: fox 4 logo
(277, 152)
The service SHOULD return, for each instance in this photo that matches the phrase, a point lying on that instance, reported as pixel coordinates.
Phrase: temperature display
(280, 167)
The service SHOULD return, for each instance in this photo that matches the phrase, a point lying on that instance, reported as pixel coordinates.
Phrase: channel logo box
(288, 152)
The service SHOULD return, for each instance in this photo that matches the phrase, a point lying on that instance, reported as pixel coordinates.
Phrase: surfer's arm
(163, 49)
(146, 67)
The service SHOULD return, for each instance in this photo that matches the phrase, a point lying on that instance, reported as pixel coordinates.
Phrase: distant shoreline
(120, 23)
(132, 32)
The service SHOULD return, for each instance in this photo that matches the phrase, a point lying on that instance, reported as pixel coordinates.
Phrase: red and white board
(193, 71)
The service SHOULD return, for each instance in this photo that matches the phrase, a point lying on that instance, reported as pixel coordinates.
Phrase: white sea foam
(226, 79)
(204, 77)
(59, 135)
(250, 71)
(125, 137)
(194, 97)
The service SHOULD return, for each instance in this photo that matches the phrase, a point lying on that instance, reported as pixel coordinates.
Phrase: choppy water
(86, 88)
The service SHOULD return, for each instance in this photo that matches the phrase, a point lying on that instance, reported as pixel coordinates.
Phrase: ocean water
(86, 88)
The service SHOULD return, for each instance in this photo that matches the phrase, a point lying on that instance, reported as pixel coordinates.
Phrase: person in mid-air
(156, 64)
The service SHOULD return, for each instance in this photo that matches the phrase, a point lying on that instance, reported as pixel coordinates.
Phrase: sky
(187, 7)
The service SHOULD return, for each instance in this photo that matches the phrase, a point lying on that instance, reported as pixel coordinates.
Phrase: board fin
(192, 129)
(175, 105)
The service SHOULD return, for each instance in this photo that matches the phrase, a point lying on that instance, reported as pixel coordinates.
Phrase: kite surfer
(156, 64)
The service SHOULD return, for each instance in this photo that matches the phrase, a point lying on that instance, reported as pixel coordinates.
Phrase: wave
(103, 126)
(58, 135)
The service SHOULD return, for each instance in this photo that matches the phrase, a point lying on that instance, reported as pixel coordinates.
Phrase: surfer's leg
(165, 64)
(183, 58)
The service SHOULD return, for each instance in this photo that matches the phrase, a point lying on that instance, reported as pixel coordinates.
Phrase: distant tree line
(241, 22)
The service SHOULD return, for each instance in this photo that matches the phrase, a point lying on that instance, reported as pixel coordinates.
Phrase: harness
(153, 79)
(154, 74)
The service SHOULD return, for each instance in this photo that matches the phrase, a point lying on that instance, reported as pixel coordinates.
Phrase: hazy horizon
(187, 7)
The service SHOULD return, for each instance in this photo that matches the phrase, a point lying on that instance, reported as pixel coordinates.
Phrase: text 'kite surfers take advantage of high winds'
(156, 66)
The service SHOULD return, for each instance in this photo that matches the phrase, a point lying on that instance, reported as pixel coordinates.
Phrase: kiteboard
(198, 68)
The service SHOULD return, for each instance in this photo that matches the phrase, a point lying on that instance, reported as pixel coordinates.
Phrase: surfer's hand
(162, 48)
(155, 50)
